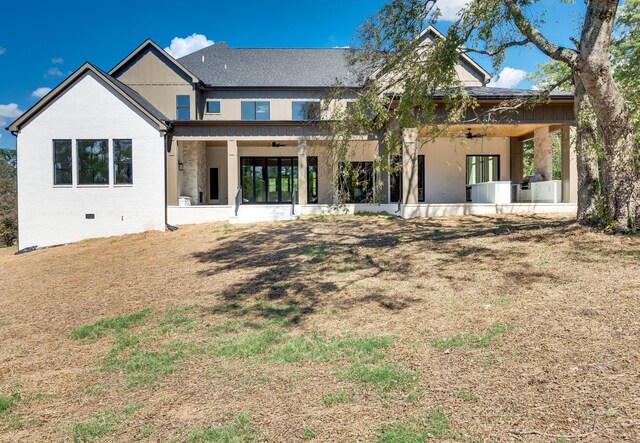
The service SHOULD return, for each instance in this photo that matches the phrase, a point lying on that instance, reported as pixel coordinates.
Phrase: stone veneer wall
(194, 179)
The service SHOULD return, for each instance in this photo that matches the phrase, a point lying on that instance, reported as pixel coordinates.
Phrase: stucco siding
(445, 165)
(50, 215)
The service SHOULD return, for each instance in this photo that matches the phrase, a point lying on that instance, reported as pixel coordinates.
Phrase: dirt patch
(326, 329)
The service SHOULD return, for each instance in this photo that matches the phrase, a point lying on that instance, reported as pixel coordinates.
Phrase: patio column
(302, 171)
(194, 159)
(569, 165)
(517, 165)
(410, 166)
(233, 171)
(543, 153)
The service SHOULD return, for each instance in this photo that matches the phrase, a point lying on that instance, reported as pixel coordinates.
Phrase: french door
(268, 179)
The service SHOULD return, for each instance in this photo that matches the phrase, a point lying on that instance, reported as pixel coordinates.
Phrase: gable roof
(124, 91)
(221, 66)
(148, 43)
(475, 65)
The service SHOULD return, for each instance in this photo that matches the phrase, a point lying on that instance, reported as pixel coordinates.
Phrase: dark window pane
(312, 179)
(248, 110)
(421, 177)
(62, 162)
(214, 188)
(259, 180)
(395, 179)
(357, 182)
(122, 162)
(213, 107)
(247, 180)
(93, 162)
(272, 176)
(183, 107)
(263, 111)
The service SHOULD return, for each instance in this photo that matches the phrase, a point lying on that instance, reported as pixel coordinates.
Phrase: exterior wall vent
(90, 216)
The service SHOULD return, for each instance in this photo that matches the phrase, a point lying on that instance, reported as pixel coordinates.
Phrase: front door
(268, 179)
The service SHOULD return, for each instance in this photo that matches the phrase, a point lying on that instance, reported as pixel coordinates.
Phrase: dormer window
(213, 106)
(256, 111)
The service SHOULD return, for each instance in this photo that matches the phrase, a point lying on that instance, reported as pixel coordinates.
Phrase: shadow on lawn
(302, 263)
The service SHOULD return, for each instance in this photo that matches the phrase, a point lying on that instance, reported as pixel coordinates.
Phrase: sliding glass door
(268, 179)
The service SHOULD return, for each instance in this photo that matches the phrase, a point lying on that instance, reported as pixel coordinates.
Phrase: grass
(384, 377)
(337, 398)
(8, 401)
(102, 424)
(474, 341)
(241, 430)
(339, 351)
(435, 426)
(117, 324)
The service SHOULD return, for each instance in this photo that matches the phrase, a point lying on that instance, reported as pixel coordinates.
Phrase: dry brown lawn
(326, 329)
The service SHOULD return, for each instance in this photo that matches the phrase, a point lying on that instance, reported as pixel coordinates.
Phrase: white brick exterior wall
(51, 215)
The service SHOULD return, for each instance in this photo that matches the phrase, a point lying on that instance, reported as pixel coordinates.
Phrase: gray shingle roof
(269, 67)
(487, 92)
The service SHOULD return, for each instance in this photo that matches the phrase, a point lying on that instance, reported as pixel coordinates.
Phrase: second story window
(305, 111)
(213, 107)
(256, 111)
(183, 107)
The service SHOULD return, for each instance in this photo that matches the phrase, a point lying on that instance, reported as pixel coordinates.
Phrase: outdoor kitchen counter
(491, 192)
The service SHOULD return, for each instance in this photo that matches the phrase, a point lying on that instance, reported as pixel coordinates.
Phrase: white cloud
(183, 46)
(449, 9)
(10, 111)
(54, 72)
(2, 50)
(40, 92)
(508, 78)
(57, 61)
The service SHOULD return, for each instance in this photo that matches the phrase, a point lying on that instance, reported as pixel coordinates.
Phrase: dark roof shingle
(221, 66)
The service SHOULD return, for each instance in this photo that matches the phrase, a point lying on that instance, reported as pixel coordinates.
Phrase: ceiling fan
(277, 145)
(471, 135)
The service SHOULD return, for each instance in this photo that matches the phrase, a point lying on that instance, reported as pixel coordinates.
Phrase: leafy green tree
(8, 198)
(412, 83)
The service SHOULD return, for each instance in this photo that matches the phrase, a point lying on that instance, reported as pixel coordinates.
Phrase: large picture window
(62, 162)
(395, 179)
(482, 169)
(256, 111)
(93, 162)
(122, 162)
(356, 180)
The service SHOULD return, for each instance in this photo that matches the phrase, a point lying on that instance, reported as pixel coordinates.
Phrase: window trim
(114, 163)
(206, 107)
(53, 149)
(93, 185)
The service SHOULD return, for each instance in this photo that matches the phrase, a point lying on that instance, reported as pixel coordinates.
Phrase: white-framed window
(213, 107)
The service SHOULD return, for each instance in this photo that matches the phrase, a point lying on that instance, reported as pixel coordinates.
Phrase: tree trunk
(620, 172)
(588, 144)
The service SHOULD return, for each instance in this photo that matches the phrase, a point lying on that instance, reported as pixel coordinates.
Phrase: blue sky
(41, 42)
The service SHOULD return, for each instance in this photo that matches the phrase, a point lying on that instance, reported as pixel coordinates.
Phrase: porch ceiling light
(180, 166)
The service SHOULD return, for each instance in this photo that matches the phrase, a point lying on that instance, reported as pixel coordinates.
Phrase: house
(228, 134)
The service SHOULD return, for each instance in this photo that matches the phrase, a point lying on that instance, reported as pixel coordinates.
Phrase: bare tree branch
(498, 49)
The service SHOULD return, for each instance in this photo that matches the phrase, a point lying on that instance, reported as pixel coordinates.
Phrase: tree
(404, 76)
(8, 198)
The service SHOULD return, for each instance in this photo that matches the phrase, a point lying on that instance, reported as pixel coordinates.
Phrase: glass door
(268, 179)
